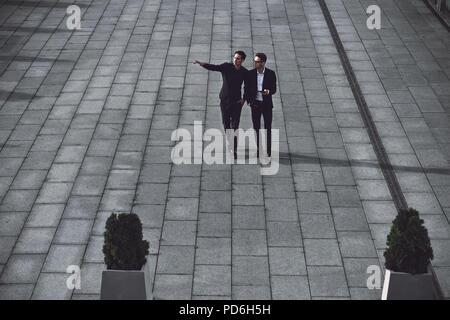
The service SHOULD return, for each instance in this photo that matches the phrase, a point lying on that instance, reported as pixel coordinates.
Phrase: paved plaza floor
(86, 118)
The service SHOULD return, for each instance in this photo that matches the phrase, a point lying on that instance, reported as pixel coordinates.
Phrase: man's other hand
(198, 62)
(241, 102)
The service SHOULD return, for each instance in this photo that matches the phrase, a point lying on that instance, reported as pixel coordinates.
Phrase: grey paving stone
(47, 143)
(309, 181)
(328, 140)
(214, 225)
(90, 278)
(215, 201)
(101, 148)
(442, 274)
(176, 260)
(379, 211)
(54, 192)
(281, 209)
(373, 190)
(45, 215)
(337, 176)
(322, 252)
(18, 200)
(313, 202)
(66, 172)
(251, 292)
(82, 207)
(151, 216)
(179, 233)
(284, 234)
(73, 231)
(6, 247)
(172, 286)
(10, 166)
(290, 288)
(51, 286)
(379, 234)
(94, 250)
(182, 208)
(328, 281)
(34, 240)
(59, 257)
(157, 173)
(440, 252)
(317, 226)
(278, 188)
(11, 223)
(122, 179)
(343, 196)
(95, 165)
(151, 193)
(213, 251)
(287, 261)
(425, 203)
(16, 291)
(216, 180)
(365, 294)
(301, 145)
(249, 243)
(212, 280)
(250, 271)
(248, 217)
(70, 154)
(184, 187)
(5, 183)
(22, 269)
(356, 244)
(117, 200)
(247, 195)
(437, 226)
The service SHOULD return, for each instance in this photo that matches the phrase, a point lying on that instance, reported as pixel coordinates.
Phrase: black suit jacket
(232, 81)
(251, 86)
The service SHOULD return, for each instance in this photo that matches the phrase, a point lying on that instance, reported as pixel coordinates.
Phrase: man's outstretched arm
(211, 67)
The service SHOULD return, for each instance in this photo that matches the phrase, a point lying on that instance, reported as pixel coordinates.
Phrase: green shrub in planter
(124, 247)
(408, 245)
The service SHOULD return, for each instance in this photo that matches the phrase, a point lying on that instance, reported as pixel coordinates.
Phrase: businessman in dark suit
(233, 75)
(260, 85)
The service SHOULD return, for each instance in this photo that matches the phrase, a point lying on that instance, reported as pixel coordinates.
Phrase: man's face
(237, 60)
(258, 63)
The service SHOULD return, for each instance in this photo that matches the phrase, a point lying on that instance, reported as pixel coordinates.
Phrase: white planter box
(405, 286)
(127, 284)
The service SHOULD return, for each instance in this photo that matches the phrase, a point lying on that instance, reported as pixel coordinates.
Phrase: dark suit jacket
(251, 86)
(232, 81)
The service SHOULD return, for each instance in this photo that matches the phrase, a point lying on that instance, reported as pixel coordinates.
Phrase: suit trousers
(261, 109)
(231, 115)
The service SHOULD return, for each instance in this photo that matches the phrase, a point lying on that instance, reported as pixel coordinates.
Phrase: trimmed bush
(408, 245)
(124, 247)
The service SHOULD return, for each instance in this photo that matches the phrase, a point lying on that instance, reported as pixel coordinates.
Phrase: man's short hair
(262, 56)
(242, 54)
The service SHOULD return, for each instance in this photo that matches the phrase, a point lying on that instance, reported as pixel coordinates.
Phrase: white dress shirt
(260, 76)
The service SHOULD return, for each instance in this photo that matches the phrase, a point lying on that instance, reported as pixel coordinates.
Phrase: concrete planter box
(126, 284)
(405, 286)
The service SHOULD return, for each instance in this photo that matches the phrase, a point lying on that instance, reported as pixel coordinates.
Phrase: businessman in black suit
(260, 85)
(233, 75)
